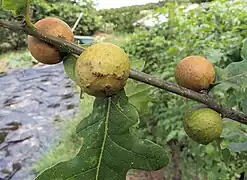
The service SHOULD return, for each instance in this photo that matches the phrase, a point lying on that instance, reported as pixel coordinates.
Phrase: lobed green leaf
(109, 149)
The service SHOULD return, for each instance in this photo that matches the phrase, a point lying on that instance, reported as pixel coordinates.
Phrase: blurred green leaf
(238, 147)
(171, 136)
(210, 149)
(17, 7)
(213, 174)
(214, 55)
(219, 74)
(137, 64)
(236, 74)
(232, 131)
(244, 50)
(226, 154)
(243, 101)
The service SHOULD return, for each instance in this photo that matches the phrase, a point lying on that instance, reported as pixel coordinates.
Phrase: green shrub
(9, 39)
(123, 19)
(69, 12)
(215, 30)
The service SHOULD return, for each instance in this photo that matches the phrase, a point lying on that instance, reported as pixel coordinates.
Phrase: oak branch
(70, 47)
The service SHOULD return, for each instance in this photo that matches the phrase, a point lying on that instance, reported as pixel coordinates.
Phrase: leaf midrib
(105, 136)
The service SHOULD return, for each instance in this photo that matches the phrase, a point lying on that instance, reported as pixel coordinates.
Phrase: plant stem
(199, 97)
(27, 16)
(70, 47)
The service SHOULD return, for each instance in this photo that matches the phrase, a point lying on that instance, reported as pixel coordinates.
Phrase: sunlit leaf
(69, 63)
(17, 7)
(138, 64)
(210, 149)
(109, 149)
(86, 104)
(171, 136)
(138, 94)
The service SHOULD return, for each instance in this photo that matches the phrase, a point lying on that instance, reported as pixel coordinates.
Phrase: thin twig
(70, 47)
(199, 97)
(27, 16)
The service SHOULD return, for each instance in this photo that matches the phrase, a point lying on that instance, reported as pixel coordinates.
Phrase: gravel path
(29, 101)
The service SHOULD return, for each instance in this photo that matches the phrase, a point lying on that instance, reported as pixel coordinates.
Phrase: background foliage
(123, 19)
(215, 30)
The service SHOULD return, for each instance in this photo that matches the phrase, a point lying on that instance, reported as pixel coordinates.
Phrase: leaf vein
(123, 113)
(114, 142)
(105, 136)
(83, 172)
(138, 92)
(90, 125)
(112, 170)
(116, 158)
(141, 156)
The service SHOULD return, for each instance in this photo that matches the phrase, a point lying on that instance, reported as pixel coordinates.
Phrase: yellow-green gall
(203, 125)
(102, 69)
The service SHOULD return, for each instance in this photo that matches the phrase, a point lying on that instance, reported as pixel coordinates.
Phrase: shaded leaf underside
(109, 149)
